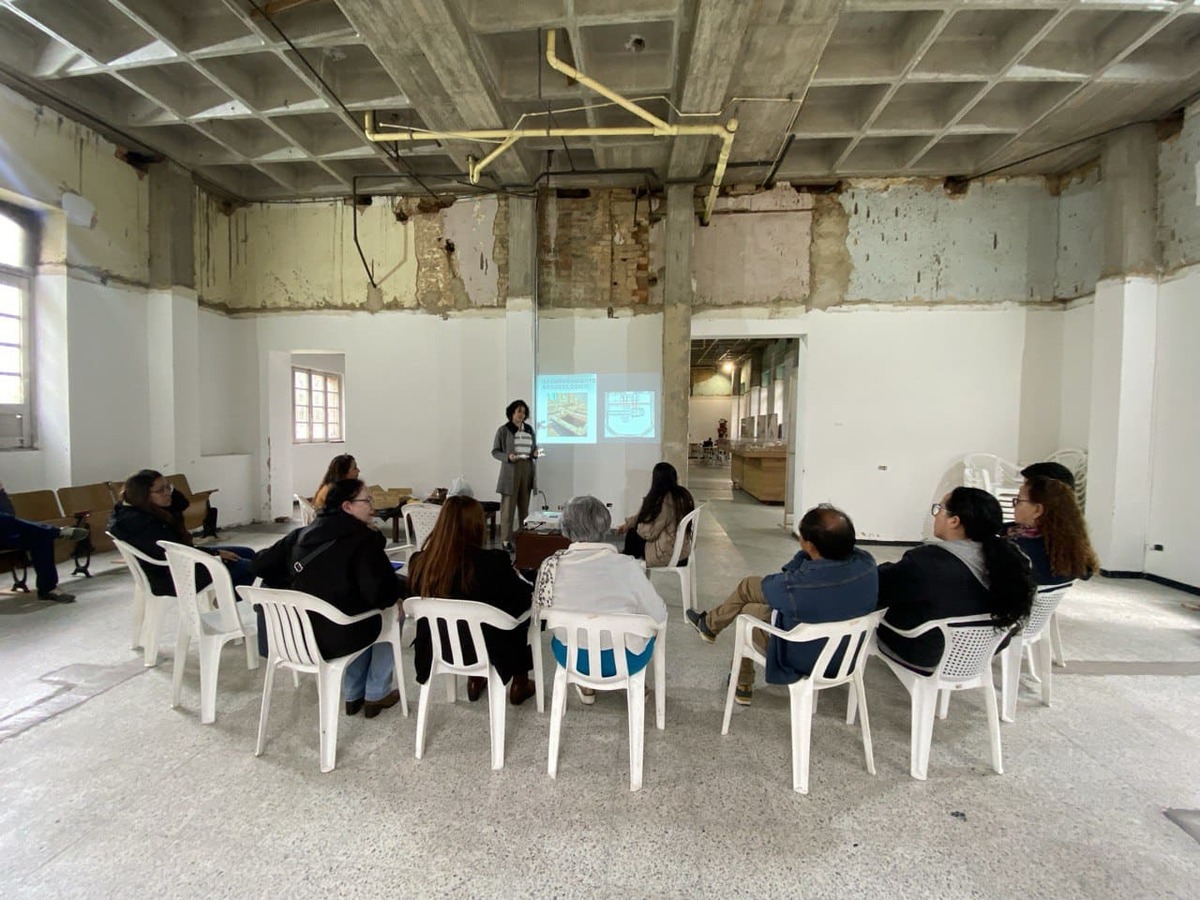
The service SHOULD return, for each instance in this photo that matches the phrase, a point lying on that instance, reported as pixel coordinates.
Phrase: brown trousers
(746, 598)
(518, 500)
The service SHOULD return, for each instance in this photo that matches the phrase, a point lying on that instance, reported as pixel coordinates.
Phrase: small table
(535, 546)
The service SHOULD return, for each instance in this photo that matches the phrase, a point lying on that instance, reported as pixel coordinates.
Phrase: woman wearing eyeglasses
(342, 561)
(151, 510)
(969, 570)
(1050, 530)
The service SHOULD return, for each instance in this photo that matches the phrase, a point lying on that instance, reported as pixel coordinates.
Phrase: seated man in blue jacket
(829, 580)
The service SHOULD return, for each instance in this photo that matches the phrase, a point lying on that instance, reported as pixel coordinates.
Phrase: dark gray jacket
(506, 443)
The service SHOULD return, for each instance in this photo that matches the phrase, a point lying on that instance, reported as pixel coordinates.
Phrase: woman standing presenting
(516, 448)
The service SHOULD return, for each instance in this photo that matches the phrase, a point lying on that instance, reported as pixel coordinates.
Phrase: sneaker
(70, 533)
(57, 596)
(699, 621)
(743, 694)
(587, 696)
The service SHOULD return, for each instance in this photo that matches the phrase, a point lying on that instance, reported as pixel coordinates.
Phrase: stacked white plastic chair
(689, 528)
(419, 519)
(148, 607)
(1077, 462)
(999, 477)
(856, 634)
(212, 627)
(612, 632)
(970, 642)
(292, 645)
(475, 615)
(307, 512)
(1036, 635)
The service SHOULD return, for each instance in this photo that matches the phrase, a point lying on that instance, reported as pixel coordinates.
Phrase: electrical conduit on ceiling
(655, 127)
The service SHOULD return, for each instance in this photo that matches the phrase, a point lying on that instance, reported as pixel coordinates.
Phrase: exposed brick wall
(594, 251)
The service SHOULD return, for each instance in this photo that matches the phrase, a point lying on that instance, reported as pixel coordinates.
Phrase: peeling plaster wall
(1179, 194)
(755, 251)
(912, 242)
(46, 156)
(1080, 237)
(302, 256)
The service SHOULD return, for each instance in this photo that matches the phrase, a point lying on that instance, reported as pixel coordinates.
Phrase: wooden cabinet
(761, 473)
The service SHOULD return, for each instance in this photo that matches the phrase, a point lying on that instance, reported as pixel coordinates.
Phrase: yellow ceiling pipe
(655, 127)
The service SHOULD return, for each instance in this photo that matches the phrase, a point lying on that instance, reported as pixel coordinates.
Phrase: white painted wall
(703, 415)
(1041, 380)
(110, 411)
(616, 473)
(228, 385)
(1075, 394)
(909, 390)
(424, 396)
(1174, 509)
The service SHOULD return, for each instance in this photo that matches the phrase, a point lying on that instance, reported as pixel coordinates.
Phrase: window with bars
(18, 244)
(316, 406)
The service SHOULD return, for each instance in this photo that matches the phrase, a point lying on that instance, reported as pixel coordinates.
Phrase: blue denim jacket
(815, 591)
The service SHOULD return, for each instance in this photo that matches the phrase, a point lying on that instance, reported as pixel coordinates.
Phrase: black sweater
(143, 530)
(353, 574)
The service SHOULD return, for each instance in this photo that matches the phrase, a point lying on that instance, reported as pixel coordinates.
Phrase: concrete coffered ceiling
(265, 99)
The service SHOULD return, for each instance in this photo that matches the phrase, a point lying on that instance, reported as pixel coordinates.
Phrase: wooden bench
(91, 505)
(200, 512)
(42, 507)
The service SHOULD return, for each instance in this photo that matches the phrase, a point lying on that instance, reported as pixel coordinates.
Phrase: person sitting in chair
(829, 580)
(650, 533)
(37, 540)
(591, 576)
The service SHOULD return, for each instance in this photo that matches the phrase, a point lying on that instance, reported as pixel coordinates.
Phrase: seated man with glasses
(829, 580)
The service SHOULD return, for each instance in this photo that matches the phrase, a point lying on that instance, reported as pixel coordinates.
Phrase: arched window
(18, 246)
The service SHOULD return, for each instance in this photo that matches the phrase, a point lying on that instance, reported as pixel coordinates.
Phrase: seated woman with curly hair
(1050, 530)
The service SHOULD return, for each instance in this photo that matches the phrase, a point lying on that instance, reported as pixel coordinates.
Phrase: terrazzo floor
(107, 792)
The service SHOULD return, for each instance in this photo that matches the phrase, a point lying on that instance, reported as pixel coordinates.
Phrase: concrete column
(172, 220)
(174, 379)
(521, 308)
(677, 324)
(1119, 435)
(1123, 351)
(1129, 168)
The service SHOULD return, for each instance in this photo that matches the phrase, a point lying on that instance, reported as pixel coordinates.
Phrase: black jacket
(927, 583)
(143, 530)
(353, 574)
(498, 585)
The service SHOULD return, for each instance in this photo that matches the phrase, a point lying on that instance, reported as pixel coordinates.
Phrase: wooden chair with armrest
(42, 507)
(200, 512)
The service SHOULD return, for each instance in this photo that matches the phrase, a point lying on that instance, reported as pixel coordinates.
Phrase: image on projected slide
(629, 415)
(566, 409)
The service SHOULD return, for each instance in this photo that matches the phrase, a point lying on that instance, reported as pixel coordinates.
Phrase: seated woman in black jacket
(454, 565)
(150, 510)
(1050, 530)
(969, 571)
(343, 563)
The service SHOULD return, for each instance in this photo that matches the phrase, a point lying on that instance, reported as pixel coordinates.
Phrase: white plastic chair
(1036, 636)
(292, 645)
(419, 519)
(615, 631)
(214, 628)
(307, 511)
(688, 529)
(966, 663)
(802, 693)
(475, 615)
(1077, 462)
(148, 607)
(999, 477)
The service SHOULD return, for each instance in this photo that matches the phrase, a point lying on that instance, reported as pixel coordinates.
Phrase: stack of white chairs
(1077, 462)
(999, 477)
(212, 627)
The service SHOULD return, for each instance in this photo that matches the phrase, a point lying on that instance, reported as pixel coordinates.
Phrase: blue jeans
(38, 541)
(370, 675)
(239, 569)
(608, 665)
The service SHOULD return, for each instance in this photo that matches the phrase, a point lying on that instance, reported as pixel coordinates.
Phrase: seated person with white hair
(592, 576)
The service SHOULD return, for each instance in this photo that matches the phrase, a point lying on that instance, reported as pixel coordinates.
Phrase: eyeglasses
(362, 500)
(165, 489)
(935, 509)
(1017, 500)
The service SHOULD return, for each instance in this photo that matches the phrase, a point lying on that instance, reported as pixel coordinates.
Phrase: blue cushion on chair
(608, 666)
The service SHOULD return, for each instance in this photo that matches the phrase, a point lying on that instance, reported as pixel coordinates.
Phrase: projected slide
(566, 409)
(629, 415)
